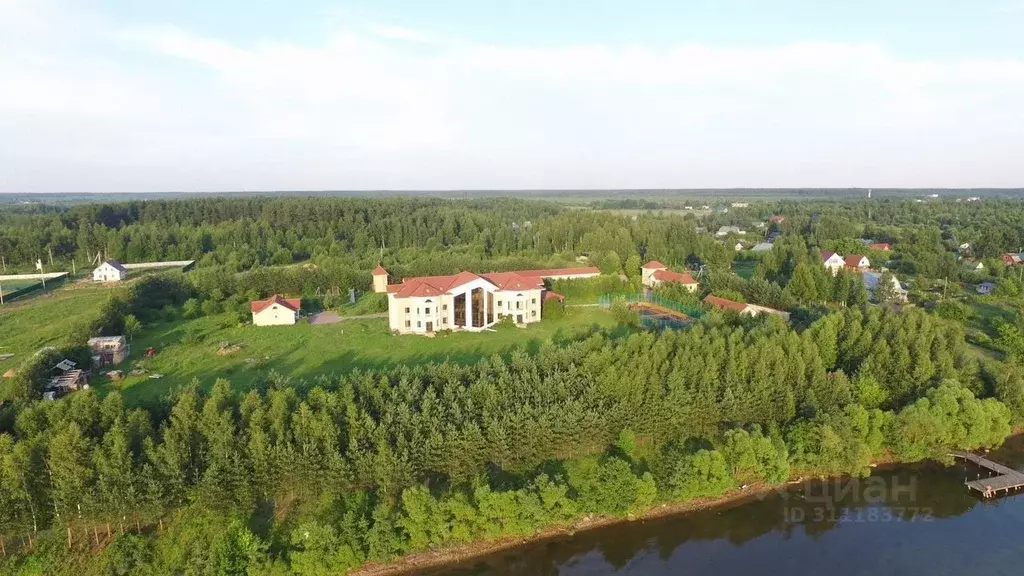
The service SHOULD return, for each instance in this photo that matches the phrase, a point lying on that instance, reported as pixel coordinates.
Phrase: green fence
(10, 296)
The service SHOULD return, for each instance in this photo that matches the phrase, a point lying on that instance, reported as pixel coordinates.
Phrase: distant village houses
(857, 262)
(833, 262)
(873, 279)
(654, 274)
(275, 311)
(726, 230)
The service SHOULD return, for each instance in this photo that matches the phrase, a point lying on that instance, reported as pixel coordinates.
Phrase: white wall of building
(107, 273)
(274, 315)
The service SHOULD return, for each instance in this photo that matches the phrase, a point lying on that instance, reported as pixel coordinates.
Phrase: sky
(140, 95)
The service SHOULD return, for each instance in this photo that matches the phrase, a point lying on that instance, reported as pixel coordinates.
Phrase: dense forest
(325, 475)
(370, 466)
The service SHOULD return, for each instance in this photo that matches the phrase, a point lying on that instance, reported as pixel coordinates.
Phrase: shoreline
(455, 555)
(433, 559)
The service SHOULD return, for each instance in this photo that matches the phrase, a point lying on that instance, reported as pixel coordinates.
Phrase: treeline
(240, 233)
(372, 465)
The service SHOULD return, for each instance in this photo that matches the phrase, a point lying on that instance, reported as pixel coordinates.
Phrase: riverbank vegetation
(372, 465)
(341, 446)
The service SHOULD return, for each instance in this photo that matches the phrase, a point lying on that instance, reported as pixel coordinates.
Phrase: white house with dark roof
(833, 262)
(468, 301)
(110, 271)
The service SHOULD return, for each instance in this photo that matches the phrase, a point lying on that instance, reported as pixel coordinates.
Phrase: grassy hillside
(42, 320)
(189, 349)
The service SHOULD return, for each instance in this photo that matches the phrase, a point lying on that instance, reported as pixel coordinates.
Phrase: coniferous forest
(329, 474)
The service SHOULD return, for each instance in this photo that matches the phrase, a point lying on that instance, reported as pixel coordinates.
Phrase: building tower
(380, 280)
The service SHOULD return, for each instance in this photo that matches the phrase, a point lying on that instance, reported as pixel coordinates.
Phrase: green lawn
(303, 351)
(744, 268)
(43, 319)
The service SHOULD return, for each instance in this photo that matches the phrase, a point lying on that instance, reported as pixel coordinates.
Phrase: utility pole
(50, 253)
(4, 262)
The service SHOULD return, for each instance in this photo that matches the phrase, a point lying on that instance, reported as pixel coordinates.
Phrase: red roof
(549, 295)
(548, 272)
(654, 265)
(853, 261)
(519, 280)
(778, 219)
(725, 304)
(669, 276)
(826, 255)
(881, 246)
(292, 304)
(379, 271)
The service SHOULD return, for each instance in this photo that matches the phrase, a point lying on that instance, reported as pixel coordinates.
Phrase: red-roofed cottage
(275, 311)
(857, 262)
(468, 301)
(743, 308)
(655, 273)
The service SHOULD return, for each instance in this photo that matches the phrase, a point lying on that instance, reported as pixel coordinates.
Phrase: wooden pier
(1006, 478)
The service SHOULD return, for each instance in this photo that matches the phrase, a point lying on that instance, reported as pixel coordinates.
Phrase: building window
(408, 324)
(406, 309)
(417, 323)
(499, 303)
(534, 301)
(426, 310)
(519, 305)
(444, 307)
(533, 313)
(417, 311)
(444, 320)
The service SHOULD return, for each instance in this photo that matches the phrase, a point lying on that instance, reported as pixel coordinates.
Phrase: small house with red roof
(275, 311)
(469, 301)
(654, 274)
(882, 246)
(742, 307)
(857, 262)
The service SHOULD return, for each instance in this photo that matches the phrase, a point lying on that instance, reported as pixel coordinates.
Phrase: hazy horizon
(121, 96)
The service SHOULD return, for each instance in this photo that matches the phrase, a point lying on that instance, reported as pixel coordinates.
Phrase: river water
(909, 521)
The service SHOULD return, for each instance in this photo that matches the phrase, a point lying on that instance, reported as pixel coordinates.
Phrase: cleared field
(38, 321)
(188, 350)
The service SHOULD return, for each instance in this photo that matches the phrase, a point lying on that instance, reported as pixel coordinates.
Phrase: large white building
(468, 301)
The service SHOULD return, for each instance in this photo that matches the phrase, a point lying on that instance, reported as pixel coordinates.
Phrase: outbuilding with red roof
(275, 311)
